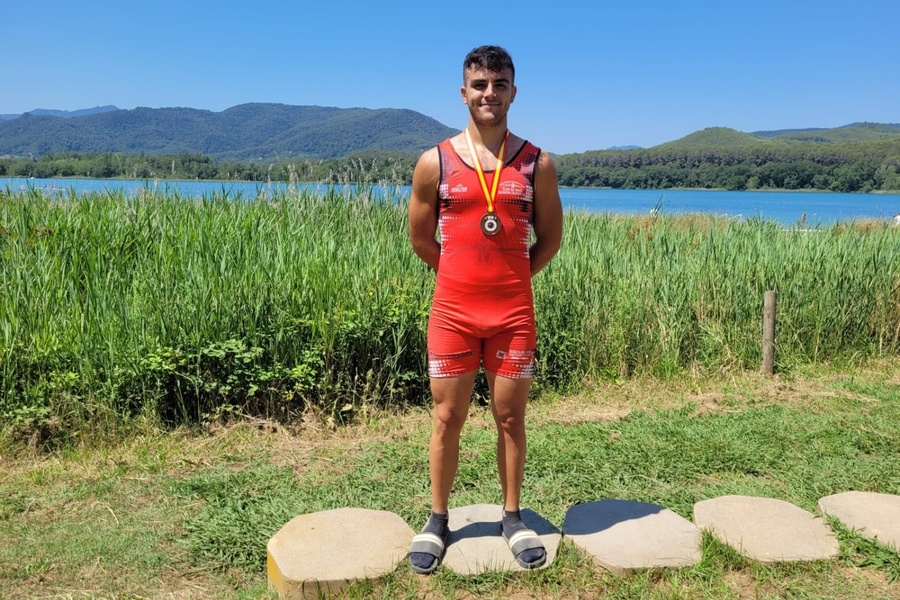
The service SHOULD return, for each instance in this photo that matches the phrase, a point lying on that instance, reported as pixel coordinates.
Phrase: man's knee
(508, 406)
(448, 422)
(512, 422)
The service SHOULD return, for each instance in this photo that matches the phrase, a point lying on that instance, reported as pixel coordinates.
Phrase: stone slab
(476, 546)
(330, 549)
(625, 537)
(766, 529)
(871, 514)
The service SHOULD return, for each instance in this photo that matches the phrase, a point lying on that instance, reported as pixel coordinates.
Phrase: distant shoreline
(784, 206)
(766, 190)
(565, 187)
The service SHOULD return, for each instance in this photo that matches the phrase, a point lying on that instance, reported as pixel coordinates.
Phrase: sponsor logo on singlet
(459, 189)
(512, 188)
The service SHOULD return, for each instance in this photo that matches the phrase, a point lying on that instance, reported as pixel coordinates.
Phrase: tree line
(374, 167)
(852, 167)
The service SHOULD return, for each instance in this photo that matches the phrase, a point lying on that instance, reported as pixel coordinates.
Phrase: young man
(488, 190)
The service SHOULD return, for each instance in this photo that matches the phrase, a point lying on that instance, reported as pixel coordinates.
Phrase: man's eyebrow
(486, 79)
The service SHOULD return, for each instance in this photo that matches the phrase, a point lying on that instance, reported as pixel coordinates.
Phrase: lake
(820, 208)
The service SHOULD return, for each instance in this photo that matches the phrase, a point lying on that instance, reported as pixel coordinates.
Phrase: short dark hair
(493, 58)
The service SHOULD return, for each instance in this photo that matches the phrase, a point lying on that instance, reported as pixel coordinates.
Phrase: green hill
(716, 137)
(724, 137)
(855, 132)
(66, 114)
(720, 158)
(249, 131)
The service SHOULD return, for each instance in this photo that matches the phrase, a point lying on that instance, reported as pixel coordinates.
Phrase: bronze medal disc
(490, 223)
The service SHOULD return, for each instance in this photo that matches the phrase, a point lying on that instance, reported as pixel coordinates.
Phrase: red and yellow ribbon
(489, 194)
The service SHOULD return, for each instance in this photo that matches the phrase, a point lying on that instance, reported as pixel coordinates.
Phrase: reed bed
(189, 308)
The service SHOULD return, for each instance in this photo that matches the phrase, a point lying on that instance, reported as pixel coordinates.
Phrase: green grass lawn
(187, 513)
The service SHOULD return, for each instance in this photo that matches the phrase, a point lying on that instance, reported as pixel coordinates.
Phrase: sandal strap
(525, 539)
(428, 543)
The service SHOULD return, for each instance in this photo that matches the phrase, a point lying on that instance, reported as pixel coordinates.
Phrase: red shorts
(508, 353)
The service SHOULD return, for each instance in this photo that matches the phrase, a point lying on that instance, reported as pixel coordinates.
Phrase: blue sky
(590, 75)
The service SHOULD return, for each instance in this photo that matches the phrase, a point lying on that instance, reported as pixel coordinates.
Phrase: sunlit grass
(185, 309)
(194, 510)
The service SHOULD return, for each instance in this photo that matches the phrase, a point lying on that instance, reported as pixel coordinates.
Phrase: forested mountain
(248, 131)
(719, 157)
(723, 137)
(65, 114)
(716, 137)
(262, 142)
(855, 132)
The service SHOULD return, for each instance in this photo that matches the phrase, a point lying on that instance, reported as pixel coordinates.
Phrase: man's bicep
(548, 214)
(423, 197)
(423, 213)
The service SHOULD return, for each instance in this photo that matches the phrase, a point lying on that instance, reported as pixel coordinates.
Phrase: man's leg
(508, 400)
(452, 396)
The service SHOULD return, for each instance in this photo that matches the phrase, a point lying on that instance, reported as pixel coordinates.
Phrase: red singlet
(483, 307)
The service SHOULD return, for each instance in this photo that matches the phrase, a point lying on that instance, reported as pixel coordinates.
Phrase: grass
(181, 309)
(186, 513)
(158, 353)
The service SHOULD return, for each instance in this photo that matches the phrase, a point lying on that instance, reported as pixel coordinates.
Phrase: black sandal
(523, 540)
(428, 543)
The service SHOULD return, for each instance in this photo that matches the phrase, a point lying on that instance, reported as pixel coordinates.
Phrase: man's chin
(489, 121)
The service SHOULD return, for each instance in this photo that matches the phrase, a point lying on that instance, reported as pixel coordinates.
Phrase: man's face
(488, 95)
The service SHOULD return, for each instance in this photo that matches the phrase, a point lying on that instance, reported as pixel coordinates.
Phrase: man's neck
(488, 136)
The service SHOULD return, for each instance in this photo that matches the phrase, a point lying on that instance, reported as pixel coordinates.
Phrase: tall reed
(115, 305)
(663, 294)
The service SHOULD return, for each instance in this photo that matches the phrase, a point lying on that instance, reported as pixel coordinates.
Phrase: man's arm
(423, 214)
(548, 214)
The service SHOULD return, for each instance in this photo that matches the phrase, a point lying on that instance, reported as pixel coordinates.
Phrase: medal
(490, 222)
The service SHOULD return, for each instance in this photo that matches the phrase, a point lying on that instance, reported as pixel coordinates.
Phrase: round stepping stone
(328, 550)
(476, 545)
(625, 536)
(766, 529)
(872, 515)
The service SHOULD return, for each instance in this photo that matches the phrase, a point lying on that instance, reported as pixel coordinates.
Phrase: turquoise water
(787, 208)
(819, 208)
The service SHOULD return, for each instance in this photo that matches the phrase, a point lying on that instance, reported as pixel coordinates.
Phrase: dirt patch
(742, 584)
(601, 402)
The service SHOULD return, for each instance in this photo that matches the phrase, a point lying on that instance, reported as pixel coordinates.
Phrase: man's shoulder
(434, 151)
(432, 155)
(428, 168)
(518, 143)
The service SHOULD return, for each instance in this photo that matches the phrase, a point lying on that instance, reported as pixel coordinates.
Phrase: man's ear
(462, 91)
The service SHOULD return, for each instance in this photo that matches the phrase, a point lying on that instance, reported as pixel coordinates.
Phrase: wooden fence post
(768, 346)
